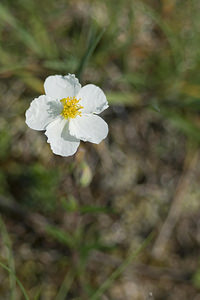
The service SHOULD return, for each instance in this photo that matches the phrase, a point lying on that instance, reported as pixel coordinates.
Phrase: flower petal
(93, 99)
(59, 87)
(61, 142)
(42, 111)
(89, 128)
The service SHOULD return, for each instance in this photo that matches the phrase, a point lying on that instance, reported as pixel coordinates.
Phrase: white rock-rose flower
(68, 113)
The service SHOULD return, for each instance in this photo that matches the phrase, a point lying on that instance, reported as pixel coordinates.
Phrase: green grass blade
(122, 98)
(19, 31)
(173, 40)
(11, 263)
(38, 294)
(120, 269)
(17, 280)
(93, 42)
(182, 123)
(60, 235)
(65, 286)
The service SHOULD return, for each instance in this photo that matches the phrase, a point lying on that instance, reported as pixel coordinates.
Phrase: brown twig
(176, 206)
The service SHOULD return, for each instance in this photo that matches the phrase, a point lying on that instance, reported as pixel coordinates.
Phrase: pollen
(71, 108)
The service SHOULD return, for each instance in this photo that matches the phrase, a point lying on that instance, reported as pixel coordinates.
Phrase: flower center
(70, 107)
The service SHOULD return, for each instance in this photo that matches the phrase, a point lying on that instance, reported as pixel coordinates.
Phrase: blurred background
(119, 220)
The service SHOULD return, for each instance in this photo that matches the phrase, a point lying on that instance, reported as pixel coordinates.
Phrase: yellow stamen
(70, 107)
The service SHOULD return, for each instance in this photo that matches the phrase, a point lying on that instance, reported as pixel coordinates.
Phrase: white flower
(68, 113)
